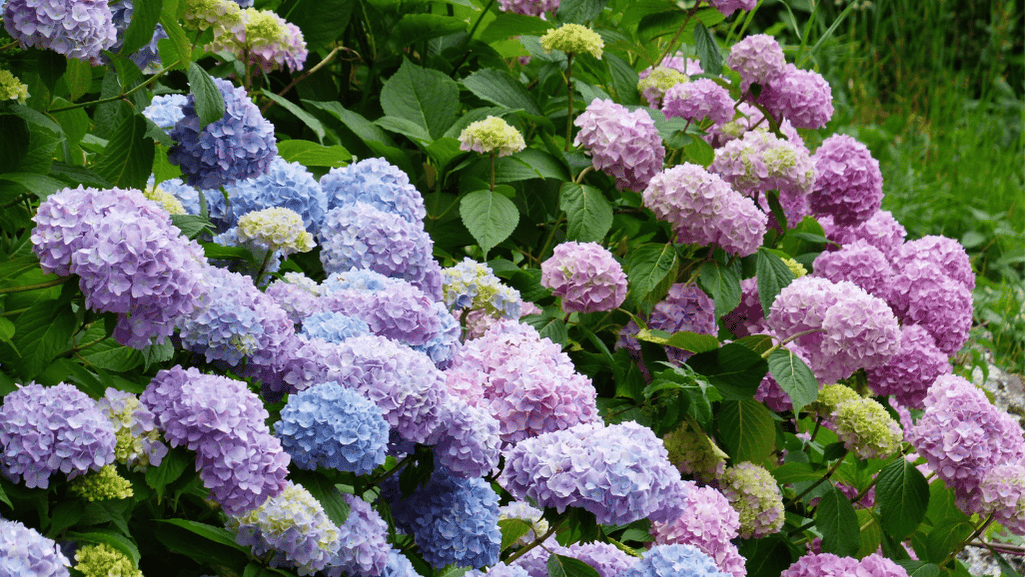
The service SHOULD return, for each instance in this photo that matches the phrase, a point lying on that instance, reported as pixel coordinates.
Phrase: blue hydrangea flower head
(333, 327)
(166, 110)
(375, 182)
(238, 146)
(186, 195)
(467, 442)
(283, 184)
(79, 29)
(146, 58)
(27, 552)
(442, 347)
(674, 561)
(330, 426)
(398, 566)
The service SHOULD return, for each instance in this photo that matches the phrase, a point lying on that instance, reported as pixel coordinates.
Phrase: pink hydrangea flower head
(924, 294)
(859, 263)
(585, 276)
(728, 7)
(910, 372)
(708, 523)
(758, 59)
(881, 230)
(801, 96)
(269, 41)
(822, 565)
(1002, 494)
(697, 100)
(528, 7)
(875, 565)
(946, 254)
(848, 183)
(860, 332)
(624, 144)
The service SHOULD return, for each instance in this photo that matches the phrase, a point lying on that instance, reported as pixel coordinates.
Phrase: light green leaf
(746, 430)
(723, 284)
(414, 131)
(38, 184)
(693, 342)
(588, 213)
(309, 153)
(500, 88)
(773, 276)
(489, 217)
(794, 377)
(424, 96)
(649, 264)
(512, 530)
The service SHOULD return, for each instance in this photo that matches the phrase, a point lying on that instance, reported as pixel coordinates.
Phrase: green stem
(580, 177)
(398, 467)
(303, 76)
(551, 237)
(492, 171)
(807, 525)
(821, 480)
(569, 96)
(672, 42)
(263, 266)
(789, 339)
(861, 494)
(32, 287)
(18, 199)
(978, 531)
(149, 81)
(466, 41)
(551, 531)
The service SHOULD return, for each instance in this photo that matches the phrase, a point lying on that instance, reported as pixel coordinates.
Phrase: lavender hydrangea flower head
(442, 348)
(391, 307)
(333, 327)
(363, 550)
(822, 565)
(1002, 494)
(656, 82)
(375, 182)
(753, 493)
(296, 294)
(685, 308)
(923, 294)
(528, 7)
(292, 526)
(27, 552)
(760, 161)
(857, 262)
(621, 473)
(728, 7)
(675, 560)
(267, 39)
(585, 276)
(848, 183)
(703, 209)
(467, 442)
(138, 440)
(801, 96)
(758, 59)
(697, 100)
(624, 144)
(708, 523)
(910, 372)
(44, 430)
(398, 565)
(80, 29)
(945, 253)
(333, 427)
(238, 146)
(491, 135)
(605, 558)
(166, 110)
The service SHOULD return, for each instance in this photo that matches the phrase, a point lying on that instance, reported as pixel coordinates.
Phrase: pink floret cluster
(829, 565)
(624, 144)
(848, 182)
(585, 276)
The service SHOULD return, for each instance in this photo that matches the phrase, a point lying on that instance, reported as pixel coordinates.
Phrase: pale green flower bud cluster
(266, 39)
(795, 267)
(867, 429)
(573, 39)
(165, 199)
(11, 88)
(102, 485)
(694, 453)
(275, 229)
(655, 85)
(831, 397)
(104, 561)
(491, 135)
(221, 15)
(752, 491)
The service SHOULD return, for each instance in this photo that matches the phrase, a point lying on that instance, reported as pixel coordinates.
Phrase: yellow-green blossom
(867, 429)
(795, 267)
(221, 15)
(102, 485)
(491, 135)
(167, 200)
(694, 453)
(104, 561)
(655, 85)
(275, 229)
(11, 88)
(575, 39)
(831, 397)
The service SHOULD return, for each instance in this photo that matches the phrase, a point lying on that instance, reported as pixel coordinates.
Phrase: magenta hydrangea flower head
(910, 372)
(703, 209)
(138, 440)
(676, 560)
(585, 276)
(238, 146)
(728, 7)
(685, 308)
(624, 144)
(708, 523)
(801, 96)
(760, 161)
(467, 441)
(375, 182)
(822, 565)
(364, 550)
(528, 7)
(79, 29)
(1002, 494)
(758, 59)
(44, 430)
(29, 553)
(292, 527)
(859, 263)
(881, 230)
(848, 183)
(753, 493)
(621, 473)
(266, 39)
(925, 295)
(963, 437)
(240, 462)
(697, 100)
(523, 380)
(391, 307)
(945, 253)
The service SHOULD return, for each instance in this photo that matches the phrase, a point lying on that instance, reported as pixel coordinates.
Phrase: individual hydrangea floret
(363, 549)
(11, 88)
(166, 110)
(528, 7)
(709, 523)
(621, 473)
(103, 560)
(375, 182)
(699, 99)
(585, 276)
(655, 82)
(910, 372)
(44, 430)
(752, 492)
(801, 96)
(848, 182)
(491, 135)
(276, 230)
(728, 7)
(624, 144)
(292, 528)
(238, 146)
(79, 29)
(758, 59)
(526, 512)
(573, 39)
(26, 549)
(138, 440)
(859, 263)
(268, 40)
(102, 485)
(676, 560)
(333, 427)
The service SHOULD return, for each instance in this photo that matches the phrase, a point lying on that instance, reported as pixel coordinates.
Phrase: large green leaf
(145, 15)
(209, 102)
(500, 88)
(321, 21)
(795, 378)
(307, 118)
(708, 50)
(588, 213)
(39, 184)
(562, 566)
(836, 520)
(734, 369)
(917, 568)
(218, 535)
(128, 158)
(773, 276)
(649, 264)
(693, 342)
(413, 28)
(42, 332)
(424, 96)
(512, 530)
(746, 430)
(723, 284)
(112, 356)
(580, 11)
(489, 216)
(309, 153)
(171, 468)
(902, 498)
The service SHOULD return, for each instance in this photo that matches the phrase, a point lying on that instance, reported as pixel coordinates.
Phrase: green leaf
(723, 284)
(43, 332)
(154, 354)
(128, 158)
(562, 566)
(773, 276)
(945, 536)
(510, 24)
(414, 131)
(309, 153)
(6, 329)
(364, 129)
(588, 213)
(795, 378)
(693, 342)
(917, 568)
(175, 50)
(836, 520)
(112, 356)
(649, 264)
(424, 96)
(191, 225)
(512, 530)
(323, 490)
(500, 88)
(308, 119)
(580, 11)
(902, 498)
(708, 50)
(543, 163)
(489, 217)
(795, 472)
(171, 468)
(735, 370)
(38, 184)
(746, 430)
(209, 101)
(79, 78)
(699, 152)
(218, 535)
(145, 15)
(321, 21)
(413, 28)
(552, 328)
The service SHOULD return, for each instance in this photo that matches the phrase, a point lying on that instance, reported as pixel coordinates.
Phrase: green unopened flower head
(795, 267)
(655, 85)
(867, 429)
(102, 485)
(104, 561)
(491, 135)
(752, 491)
(575, 39)
(275, 229)
(694, 453)
(167, 200)
(831, 397)
(221, 15)
(11, 88)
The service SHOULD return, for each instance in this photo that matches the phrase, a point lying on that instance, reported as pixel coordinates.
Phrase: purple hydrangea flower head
(607, 559)
(138, 440)
(703, 209)
(297, 294)
(283, 184)
(453, 520)
(26, 552)
(675, 560)
(307, 362)
(759, 162)
(708, 523)
(398, 565)
(79, 29)
(500, 570)
(881, 230)
(875, 565)
(525, 381)
(752, 492)
(333, 427)
(292, 526)
(925, 295)
(146, 58)
(375, 182)
(822, 565)
(624, 144)
(685, 308)
(267, 39)
(848, 183)
(528, 7)
(238, 146)
(364, 551)
(697, 100)
(728, 7)
(224, 422)
(860, 263)
(910, 372)
(946, 254)
(801, 96)
(391, 307)
(166, 110)
(467, 441)
(585, 276)
(758, 59)
(333, 327)
(44, 430)
(620, 473)
(359, 235)
(1002, 494)
(442, 348)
